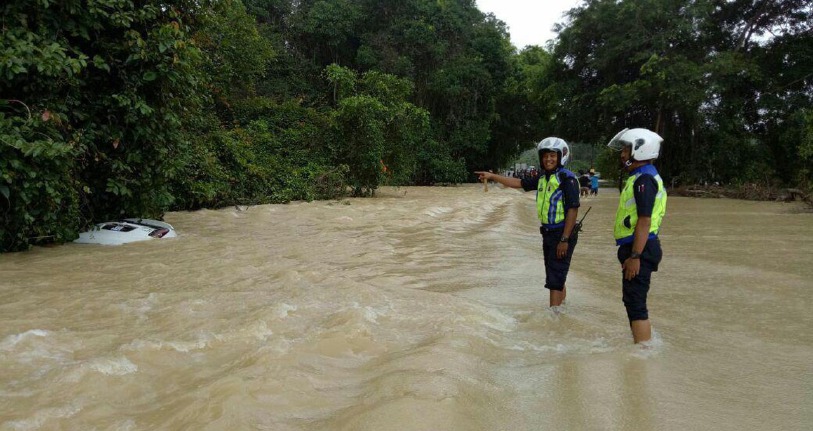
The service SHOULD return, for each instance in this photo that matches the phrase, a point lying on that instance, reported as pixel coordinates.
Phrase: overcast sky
(530, 22)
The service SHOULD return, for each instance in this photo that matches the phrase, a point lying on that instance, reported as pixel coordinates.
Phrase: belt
(544, 229)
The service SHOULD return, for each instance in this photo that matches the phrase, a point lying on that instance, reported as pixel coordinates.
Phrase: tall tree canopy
(719, 80)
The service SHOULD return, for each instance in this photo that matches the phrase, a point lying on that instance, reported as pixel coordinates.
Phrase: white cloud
(530, 22)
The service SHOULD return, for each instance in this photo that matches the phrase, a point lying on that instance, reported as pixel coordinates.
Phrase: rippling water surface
(420, 309)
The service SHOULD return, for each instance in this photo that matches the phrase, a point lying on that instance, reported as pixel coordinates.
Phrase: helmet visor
(546, 145)
(618, 142)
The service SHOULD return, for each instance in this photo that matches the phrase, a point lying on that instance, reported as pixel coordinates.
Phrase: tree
(697, 73)
(379, 133)
(104, 91)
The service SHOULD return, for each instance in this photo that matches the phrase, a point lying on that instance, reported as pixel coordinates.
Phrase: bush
(39, 202)
(105, 90)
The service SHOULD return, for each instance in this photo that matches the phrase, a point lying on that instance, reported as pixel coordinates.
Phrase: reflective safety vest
(627, 215)
(550, 199)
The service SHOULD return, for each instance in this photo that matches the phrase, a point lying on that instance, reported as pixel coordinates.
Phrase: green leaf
(150, 76)
(100, 63)
(4, 191)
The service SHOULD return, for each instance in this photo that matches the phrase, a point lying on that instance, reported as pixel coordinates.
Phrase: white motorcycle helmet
(554, 144)
(645, 144)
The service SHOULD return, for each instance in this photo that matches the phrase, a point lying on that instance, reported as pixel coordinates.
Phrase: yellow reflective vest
(550, 198)
(627, 215)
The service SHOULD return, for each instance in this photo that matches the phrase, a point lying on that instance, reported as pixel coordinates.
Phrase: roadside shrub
(105, 90)
(39, 202)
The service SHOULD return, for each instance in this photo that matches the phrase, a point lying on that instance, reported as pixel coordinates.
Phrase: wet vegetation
(132, 108)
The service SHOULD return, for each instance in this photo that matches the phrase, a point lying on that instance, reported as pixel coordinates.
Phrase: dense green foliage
(92, 123)
(720, 81)
(128, 108)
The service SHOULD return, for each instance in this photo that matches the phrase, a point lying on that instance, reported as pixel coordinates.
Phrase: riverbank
(749, 191)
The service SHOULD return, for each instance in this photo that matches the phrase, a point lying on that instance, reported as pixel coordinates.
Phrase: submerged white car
(127, 230)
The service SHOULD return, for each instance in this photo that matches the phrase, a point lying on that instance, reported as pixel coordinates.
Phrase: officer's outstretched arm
(514, 183)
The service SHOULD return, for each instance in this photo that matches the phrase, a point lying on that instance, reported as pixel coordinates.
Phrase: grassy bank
(747, 191)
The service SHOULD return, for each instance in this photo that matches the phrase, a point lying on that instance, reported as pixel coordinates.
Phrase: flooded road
(420, 309)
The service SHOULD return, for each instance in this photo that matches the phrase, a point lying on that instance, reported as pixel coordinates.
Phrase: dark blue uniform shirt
(644, 189)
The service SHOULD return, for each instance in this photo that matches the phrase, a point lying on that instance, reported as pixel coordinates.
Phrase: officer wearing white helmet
(557, 205)
(638, 220)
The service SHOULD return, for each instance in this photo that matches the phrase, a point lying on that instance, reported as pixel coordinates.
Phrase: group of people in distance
(641, 208)
(588, 183)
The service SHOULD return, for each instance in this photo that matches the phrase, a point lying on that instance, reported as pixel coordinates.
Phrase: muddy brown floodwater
(420, 309)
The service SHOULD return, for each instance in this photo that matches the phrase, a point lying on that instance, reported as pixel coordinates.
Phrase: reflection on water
(421, 309)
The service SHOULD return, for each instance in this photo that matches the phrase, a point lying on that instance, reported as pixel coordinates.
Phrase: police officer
(638, 220)
(557, 206)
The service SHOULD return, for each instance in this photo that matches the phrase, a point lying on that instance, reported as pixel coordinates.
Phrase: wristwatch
(564, 239)
(635, 255)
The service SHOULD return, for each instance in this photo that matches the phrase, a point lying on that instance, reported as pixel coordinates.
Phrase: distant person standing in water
(593, 183)
(557, 206)
(584, 184)
(638, 220)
